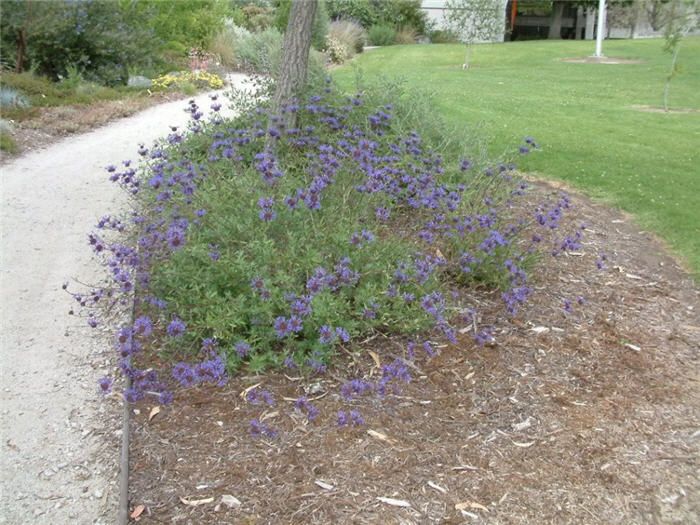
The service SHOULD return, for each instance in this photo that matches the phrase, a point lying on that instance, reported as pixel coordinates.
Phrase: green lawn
(581, 115)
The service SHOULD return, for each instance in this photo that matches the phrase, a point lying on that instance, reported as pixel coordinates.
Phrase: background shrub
(381, 35)
(183, 24)
(349, 34)
(396, 13)
(442, 36)
(222, 45)
(362, 11)
(257, 18)
(105, 40)
(402, 13)
(99, 39)
(266, 245)
(11, 99)
(406, 35)
(319, 28)
(258, 52)
(7, 143)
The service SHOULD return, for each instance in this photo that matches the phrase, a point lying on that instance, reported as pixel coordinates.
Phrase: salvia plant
(273, 239)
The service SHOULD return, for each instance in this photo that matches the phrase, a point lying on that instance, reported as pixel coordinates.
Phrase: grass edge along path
(583, 116)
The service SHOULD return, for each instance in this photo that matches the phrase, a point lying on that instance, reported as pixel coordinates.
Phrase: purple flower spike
(176, 328)
(242, 348)
(258, 429)
(105, 384)
(143, 326)
(326, 334)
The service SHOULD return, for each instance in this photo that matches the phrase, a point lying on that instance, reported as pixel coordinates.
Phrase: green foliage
(184, 24)
(258, 52)
(102, 40)
(319, 28)
(362, 11)
(41, 92)
(681, 17)
(402, 13)
(397, 13)
(255, 18)
(406, 35)
(99, 39)
(7, 143)
(214, 296)
(443, 36)
(381, 35)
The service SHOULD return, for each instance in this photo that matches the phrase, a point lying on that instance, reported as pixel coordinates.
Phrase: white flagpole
(601, 29)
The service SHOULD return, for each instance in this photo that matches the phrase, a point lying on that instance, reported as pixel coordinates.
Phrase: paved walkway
(59, 441)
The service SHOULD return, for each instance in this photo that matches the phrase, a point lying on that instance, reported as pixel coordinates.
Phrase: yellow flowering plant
(198, 78)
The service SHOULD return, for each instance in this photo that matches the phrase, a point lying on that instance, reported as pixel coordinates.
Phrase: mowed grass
(582, 116)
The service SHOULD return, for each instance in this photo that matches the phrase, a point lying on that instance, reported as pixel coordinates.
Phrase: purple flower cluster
(307, 408)
(210, 371)
(256, 396)
(267, 209)
(258, 429)
(299, 175)
(392, 374)
(355, 388)
(353, 418)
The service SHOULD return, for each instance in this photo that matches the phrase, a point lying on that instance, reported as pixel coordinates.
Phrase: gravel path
(59, 441)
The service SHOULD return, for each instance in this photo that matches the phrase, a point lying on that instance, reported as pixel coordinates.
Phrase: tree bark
(21, 49)
(295, 55)
(555, 22)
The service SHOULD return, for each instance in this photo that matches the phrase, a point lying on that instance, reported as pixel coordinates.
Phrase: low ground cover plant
(277, 238)
(200, 79)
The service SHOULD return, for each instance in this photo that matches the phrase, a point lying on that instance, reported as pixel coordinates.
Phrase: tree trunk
(634, 19)
(555, 21)
(590, 23)
(295, 55)
(667, 87)
(21, 49)
(467, 55)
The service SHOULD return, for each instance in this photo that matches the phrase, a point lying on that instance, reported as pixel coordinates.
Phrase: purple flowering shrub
(262, 244)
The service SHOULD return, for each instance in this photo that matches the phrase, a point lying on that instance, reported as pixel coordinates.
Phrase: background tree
(319, 27)
(295, 55)
(681, 16)
(475, 21)
(556, 19)
(98, 40)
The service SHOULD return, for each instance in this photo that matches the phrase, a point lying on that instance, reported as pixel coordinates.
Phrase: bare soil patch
(582, 417)
(52, 124)
(603, 60)
(652, 109)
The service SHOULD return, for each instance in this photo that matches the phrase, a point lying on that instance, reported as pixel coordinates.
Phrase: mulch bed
(582, 417)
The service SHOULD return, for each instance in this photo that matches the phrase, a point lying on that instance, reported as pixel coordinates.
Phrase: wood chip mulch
(583, 417)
